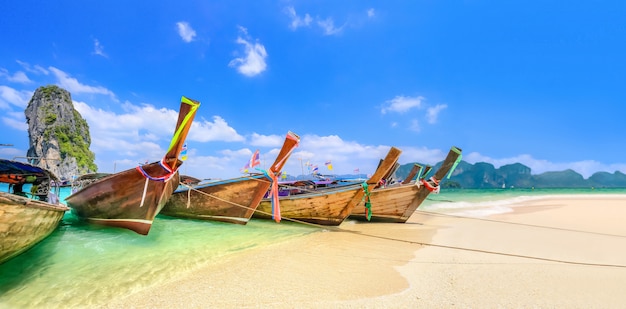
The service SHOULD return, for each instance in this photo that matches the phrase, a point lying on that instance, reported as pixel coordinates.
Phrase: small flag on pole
(255, 159)
(315, 169)
(183, 153)
(356, 170)
(329, 165)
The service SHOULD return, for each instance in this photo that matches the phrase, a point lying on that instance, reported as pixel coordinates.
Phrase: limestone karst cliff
(59, 137)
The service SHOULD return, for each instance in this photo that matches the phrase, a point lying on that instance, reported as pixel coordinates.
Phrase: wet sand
(565, 252)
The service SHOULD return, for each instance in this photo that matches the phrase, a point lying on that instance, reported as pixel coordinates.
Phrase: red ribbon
(275, 198)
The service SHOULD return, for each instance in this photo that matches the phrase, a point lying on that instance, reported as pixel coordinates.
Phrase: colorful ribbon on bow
(274, 195)
(164, 165)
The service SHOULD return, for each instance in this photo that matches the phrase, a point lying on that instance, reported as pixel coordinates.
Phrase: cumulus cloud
(74, 86)
(297, 21)
(252, 62)
(185, 31)
(402, 104)
(218, 130)
(17, 77)
(10, 96)
(98, 49)
(433, 112)
(144, 131)
(266, 140)
(15, 123)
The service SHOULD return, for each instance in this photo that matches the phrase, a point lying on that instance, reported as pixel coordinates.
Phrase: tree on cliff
(59, 137)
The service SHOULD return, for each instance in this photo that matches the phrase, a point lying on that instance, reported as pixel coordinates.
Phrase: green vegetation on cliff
(73, 142)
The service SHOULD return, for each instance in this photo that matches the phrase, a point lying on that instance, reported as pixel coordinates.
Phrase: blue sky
(536, 82)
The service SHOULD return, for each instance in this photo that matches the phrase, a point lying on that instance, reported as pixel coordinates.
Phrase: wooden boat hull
(391, 204)
(24, 223)
(126, 199)
(326, 207)
(132, 198)
(398, 202)
(233, 200)
(330, 206)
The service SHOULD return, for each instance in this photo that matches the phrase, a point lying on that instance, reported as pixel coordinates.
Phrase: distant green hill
(485, 175)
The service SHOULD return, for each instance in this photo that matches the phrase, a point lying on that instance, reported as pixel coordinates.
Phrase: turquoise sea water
(83, 265)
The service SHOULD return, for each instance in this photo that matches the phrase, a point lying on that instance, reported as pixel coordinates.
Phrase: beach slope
(557, 252)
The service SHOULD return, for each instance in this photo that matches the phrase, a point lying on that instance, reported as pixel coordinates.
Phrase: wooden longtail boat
(398, 201)
(329, 206)
(232, 200)
(132, 198)
(26, 218)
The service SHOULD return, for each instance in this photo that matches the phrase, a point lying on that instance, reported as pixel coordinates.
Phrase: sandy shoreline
(386, 267)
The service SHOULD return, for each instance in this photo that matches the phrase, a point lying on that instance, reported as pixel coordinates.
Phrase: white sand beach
(564, 252)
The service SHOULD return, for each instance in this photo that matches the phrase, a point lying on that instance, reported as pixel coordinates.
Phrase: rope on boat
(338, 229)
(249, 208)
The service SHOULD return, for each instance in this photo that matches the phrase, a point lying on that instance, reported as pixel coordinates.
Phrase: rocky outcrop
(483, 175)
(58, 134)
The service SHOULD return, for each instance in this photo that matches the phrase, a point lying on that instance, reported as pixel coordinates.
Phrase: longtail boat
(329, 206)
(131, 199)
(397, 202)
(232, 200)
(26, 218)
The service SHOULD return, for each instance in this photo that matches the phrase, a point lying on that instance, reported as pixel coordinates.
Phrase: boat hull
(24, 223)
(399, 201)
(392, 204)
(127, 199)
(232, 201)
(326, 207)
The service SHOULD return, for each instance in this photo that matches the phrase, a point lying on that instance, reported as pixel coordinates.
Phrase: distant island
(485, 176)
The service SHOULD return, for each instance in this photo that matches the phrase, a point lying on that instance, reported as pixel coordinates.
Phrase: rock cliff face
(58, 134)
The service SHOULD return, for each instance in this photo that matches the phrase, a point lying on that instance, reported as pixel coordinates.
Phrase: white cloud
(16, 123)
(74, 86)
(98, 49)
(218, 130)
(33, 69)
(185, 31)
(266, 140)
(130, 125)
(10, 96)
(371, 13)
(253, 61)
(433, 112)
(402, 104)
(328, 25)
(17, 77)
(297, 21)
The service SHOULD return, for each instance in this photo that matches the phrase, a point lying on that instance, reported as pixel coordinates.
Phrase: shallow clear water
(81, 265)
